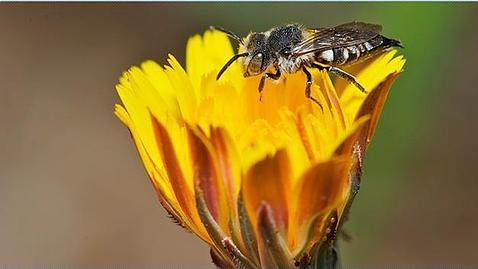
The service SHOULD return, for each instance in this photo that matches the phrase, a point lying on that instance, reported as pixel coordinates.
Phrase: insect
(291, 48)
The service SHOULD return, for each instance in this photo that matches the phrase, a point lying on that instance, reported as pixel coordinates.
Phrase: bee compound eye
(255, 65)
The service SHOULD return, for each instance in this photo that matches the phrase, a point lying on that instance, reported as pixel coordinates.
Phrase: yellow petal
(207, 54)
(183, 193)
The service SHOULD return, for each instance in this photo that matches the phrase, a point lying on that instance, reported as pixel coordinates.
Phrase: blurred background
(73, 191)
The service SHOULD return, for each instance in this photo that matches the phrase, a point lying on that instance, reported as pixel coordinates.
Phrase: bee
(291, 48)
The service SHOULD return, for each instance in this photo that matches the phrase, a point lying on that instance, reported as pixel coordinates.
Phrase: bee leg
(308, 86)
(341, 73)
(275, 76)
(261, 87)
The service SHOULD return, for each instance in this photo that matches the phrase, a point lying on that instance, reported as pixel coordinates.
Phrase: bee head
(258, 56)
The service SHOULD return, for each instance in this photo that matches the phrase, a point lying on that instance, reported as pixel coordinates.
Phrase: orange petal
(372, 106)
(228, 161)
(207, 177)
(230, 169)
(268, 181)
(320, 189)
(347, 145)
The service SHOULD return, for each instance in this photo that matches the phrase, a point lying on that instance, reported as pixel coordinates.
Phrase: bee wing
(344, 35)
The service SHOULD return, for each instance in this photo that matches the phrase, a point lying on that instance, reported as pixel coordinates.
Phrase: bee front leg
(308, 85)
(275, 76)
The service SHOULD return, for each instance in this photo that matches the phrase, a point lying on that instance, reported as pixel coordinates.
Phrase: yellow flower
(262, 182)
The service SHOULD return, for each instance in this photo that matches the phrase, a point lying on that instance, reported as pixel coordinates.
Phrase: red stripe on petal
(183, 193)
(227, 161)
(207, 177)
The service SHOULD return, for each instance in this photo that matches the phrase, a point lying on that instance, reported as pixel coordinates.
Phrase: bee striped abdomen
(347, 55)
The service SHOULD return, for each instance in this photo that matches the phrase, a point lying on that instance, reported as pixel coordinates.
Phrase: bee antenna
(235, 57)
(229, 33)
